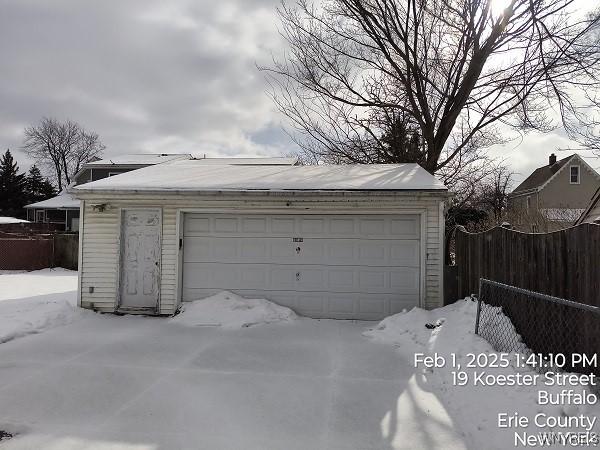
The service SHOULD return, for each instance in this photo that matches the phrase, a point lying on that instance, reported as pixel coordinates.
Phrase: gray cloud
(157, 76)
(147, 76)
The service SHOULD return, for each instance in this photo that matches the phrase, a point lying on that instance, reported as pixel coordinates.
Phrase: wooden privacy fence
(564, 263)
(38, 251)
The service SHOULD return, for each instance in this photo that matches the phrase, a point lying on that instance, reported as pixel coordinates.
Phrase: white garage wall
(100, 241)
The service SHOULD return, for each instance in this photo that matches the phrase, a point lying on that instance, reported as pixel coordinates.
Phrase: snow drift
(52, 302)
(231, 311)
(451, 330)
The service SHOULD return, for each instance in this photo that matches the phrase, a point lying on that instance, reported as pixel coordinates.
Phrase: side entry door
(140, 260)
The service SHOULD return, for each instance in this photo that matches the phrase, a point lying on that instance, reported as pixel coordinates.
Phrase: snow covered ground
(104, 381)
(36, 301)
(475, 408)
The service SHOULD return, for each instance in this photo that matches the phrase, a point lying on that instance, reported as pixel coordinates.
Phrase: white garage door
(330, 266)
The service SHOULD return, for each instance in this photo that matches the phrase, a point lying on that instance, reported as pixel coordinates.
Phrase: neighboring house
(104, 168)
(63, 210)
(592, 212)
(349, 242)
(556, 194)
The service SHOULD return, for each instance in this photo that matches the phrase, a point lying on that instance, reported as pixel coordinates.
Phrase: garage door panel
(330, 266)
(342, 226)
(339, 250)
(407, 228)
(254, 225)
(341, 304)
(283, 225)
(372, 305)
(359, 227)
(255, 249)
(310, 304)
(226, 225)
(403, 280)
(404, 253)
(281, 277)
(372, 227)
(372, 281)
(227, 249)
(376, 252)
(254, 277)
(280, 249)
(340, 278)
(312, 226)
(195, 224)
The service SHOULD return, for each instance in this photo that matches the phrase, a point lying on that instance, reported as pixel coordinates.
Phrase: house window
(39, 216)
(574, 174)
(528, 203)
(112, 174)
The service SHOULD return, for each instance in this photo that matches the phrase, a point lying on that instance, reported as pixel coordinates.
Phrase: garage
(338, 242)
(329, 266)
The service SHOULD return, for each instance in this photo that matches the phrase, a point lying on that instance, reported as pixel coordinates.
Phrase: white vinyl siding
(100, 240)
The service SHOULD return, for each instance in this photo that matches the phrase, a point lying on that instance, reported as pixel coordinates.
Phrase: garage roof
(193, 176)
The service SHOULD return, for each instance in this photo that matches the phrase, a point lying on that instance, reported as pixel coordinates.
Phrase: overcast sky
(176, 76)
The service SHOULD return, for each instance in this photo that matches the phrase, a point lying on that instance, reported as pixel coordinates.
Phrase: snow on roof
(248, 161)
(4, 219)
(195, 176)
(139, 159)
(62, 200)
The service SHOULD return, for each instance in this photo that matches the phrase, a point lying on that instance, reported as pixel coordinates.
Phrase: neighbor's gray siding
(560, 193)
(100, 240)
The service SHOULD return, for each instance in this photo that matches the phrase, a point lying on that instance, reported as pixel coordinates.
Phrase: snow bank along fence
(38, 251)
(563, 264)
(518, 320)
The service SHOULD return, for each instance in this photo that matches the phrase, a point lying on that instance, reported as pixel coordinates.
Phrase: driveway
(146, 383)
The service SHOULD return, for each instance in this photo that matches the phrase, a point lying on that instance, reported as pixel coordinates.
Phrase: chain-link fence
(521, 321)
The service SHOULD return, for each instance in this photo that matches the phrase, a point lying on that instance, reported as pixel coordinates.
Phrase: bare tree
(494, 192)
(480, 198)
(451, 73)
(61, 147)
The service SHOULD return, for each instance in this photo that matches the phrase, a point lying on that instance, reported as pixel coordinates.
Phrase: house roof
(194, 175)
(593, 202)
(5, 220)
(540, 175)
(248, 161)
(64, 200)
(149, 159)
(139, 159)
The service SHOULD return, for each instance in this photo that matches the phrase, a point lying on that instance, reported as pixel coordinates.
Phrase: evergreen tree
(37, 188)
(12, 187)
